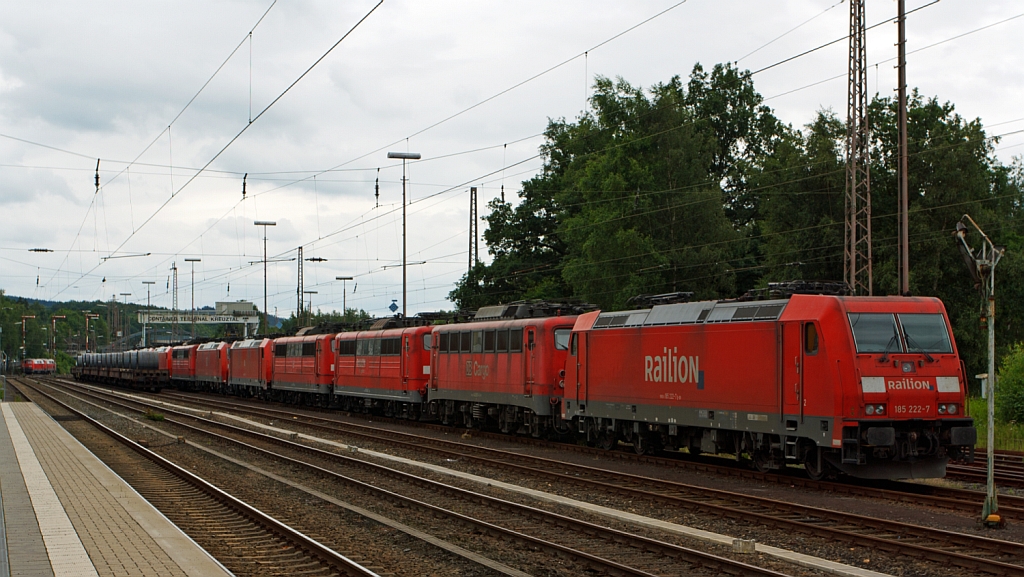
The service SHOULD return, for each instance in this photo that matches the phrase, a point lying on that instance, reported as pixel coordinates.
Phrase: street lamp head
(193, 260)
(342, 278)
(149, 282)
(265, 223)
(405, 155)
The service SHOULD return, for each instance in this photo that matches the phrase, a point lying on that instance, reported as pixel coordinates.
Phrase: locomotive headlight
(942, 409)
(952, 409)
(870, 409)
(880, 410)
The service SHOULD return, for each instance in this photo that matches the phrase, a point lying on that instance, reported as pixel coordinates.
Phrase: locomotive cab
(905, 408)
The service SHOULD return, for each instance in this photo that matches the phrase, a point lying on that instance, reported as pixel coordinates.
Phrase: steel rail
(803, 522)
(1011, 507)
(313, 548)
(684, 554)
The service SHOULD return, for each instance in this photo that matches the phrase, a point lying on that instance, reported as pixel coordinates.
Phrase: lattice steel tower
(298, 290)
(857, 252)
(174, 304)
(474, 230)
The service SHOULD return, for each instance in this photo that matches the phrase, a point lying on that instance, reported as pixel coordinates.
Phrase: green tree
(631, 200)
(802, 192)
(1010, 398)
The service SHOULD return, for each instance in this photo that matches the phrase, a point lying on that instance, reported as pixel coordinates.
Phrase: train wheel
(762, 461)
(814, 464)
(641, 445)
(607, 441)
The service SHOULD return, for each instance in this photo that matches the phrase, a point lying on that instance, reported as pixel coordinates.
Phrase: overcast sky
(105, 79)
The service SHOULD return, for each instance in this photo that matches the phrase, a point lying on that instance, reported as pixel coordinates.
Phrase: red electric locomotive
(500, 371)
(183, 365)
(163, 363)
(304, 369)
(250, 367)
(212, 366)
(871, 387)
(38, 366)
(383, 369)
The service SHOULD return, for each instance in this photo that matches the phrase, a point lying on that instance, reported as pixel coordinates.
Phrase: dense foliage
(697, 186)
(1010, 395)
(70, 331)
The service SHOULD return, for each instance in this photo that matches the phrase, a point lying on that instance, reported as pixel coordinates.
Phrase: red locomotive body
(304, 365)
(38, 366)
(505, 371)
(212, 365)
(164, 361)
(383, 369)
(250, 366)
(183, 363)
(871, 386)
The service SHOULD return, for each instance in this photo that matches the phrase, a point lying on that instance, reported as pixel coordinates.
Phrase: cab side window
(810, 339)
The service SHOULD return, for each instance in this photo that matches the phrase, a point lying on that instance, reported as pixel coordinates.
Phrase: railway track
(953, 549)
(1008, 470)
(589, 546)
(966, 501)
(242, 538)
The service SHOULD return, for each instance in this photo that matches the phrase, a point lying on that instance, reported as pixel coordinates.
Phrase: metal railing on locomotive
(982, 266)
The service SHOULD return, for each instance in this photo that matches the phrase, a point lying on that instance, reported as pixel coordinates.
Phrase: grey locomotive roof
(694, 313)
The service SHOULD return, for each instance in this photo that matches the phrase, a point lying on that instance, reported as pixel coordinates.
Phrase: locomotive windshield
(562, 339)
(926, 333)
(880, 333)
(875, 332)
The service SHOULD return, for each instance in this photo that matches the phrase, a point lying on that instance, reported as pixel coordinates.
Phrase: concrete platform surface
(65, 513)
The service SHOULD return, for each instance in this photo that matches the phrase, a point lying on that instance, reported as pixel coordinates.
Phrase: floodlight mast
(983, 271)
(405, 286)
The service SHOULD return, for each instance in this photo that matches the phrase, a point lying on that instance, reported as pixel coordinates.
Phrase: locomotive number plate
(912, 409)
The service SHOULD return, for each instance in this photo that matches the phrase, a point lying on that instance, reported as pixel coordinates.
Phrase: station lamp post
(145, 323)
(344, 293)
(405, 287)
(266, 311)
(982, 266)
(193, 290)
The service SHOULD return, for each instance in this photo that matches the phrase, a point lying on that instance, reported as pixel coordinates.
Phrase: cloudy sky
(469, 85)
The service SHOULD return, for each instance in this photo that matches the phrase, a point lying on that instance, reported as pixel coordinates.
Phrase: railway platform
(64, 512)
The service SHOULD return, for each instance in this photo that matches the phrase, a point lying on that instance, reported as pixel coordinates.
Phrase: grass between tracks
(1008, 436)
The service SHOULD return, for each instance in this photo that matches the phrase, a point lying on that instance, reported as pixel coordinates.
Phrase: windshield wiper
(885, 353)
(913, 343)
